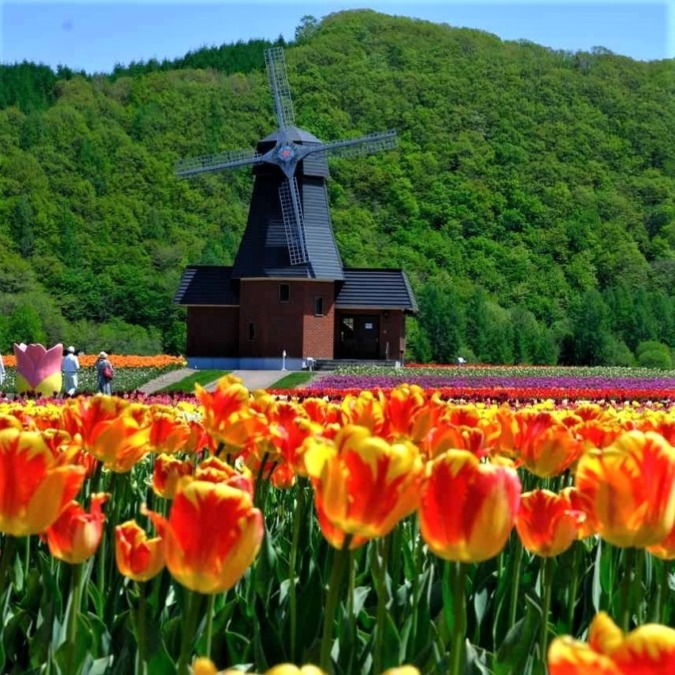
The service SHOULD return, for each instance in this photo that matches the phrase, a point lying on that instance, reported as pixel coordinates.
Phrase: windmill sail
(281, 90)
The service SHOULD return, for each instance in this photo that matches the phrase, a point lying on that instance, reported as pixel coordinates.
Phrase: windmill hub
(286, 152)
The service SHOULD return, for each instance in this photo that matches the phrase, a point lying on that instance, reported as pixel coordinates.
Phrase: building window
(318, 306)
(251, 331)
(284, 292)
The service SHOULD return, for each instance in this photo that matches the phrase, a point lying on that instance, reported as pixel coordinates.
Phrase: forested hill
(531, 199)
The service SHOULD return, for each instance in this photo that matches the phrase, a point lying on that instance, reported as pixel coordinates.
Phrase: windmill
(289, 194)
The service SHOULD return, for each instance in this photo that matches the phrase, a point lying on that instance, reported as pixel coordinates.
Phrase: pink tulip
(38, 369)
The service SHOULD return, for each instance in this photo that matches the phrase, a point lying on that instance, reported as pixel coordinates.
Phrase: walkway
(251, 379)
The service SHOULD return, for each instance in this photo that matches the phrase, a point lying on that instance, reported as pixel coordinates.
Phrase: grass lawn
(187, 384)
(293, 380)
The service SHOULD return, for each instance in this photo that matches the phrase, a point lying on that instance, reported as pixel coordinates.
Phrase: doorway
(359, 336)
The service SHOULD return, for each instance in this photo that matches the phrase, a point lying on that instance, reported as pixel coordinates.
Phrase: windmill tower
(288, 254)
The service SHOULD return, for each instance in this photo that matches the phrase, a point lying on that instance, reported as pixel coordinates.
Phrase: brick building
(288, 292)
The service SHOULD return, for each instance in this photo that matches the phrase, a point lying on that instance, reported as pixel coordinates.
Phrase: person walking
(2, 371)
(104, 374)
(71, 365)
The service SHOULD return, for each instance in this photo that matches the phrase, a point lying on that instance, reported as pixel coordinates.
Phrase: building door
(359, 336)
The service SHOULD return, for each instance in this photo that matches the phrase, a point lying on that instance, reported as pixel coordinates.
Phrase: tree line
(532, 193)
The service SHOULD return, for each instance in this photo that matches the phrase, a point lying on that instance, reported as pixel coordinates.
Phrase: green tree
(442, 319)
(25, 325)
(591, 331)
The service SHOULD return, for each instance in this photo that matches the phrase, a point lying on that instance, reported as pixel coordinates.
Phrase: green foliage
(525, 178)
(25, 325)
(652, 354)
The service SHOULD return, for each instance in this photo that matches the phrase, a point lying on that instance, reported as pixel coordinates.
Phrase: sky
(94, 35)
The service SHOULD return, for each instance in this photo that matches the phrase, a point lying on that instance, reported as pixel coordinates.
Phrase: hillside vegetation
(531, 199)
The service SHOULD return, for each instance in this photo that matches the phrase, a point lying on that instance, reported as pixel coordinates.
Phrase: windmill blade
(281, 90)
(224, 160)
(384, 140)
(291, 213)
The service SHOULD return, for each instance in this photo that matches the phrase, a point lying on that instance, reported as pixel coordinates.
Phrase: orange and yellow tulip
(212, 535)
(547, 523)
(647, 650)
(467, 508)
(281, 669)
(665, 549)
(228, 416)
(630, 489)
(166, 473)
(547, 447)
(138, 557)
(168, 432)
(214, 470)
(363, 485)
(75, 535)
(30, 505)
(111, 429)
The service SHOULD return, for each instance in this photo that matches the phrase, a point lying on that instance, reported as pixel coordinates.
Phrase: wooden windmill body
(288, 292)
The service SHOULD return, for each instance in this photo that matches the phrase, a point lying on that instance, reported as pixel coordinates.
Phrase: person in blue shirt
(104, 374)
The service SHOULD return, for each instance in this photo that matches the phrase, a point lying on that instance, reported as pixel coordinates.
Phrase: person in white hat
(70, 367)
(104, 373)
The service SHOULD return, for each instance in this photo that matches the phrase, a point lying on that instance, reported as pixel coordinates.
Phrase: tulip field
(457, 521)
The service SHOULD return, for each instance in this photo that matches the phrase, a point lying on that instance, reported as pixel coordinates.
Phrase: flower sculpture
(38, 369)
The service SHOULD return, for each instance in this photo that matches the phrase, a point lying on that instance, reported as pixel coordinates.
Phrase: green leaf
(513, 653)
(71, 657)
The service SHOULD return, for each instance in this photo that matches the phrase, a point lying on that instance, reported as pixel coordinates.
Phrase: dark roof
(263, 251)
(294, 134)
(385, 288)
(207, 285)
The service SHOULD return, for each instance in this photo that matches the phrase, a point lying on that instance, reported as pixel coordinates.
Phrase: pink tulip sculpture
(38, 369)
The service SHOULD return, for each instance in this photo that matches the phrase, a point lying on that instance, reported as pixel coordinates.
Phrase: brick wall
(268, 325)
(212, 331)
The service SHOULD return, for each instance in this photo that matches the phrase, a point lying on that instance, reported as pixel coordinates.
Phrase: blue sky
(94, 35)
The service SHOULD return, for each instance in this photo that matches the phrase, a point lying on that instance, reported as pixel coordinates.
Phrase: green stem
(515, 581)
(626, 582)
(577, 550)
(258, 491)
(75, 601)
(189, 628)
(292, 591)
(140, 627)
(667, 564)
(340, 558)
(210, 602)
(417, 555)
(459, 618)
(6, 561)
(637, 583)
(547, 587)
(382, 600)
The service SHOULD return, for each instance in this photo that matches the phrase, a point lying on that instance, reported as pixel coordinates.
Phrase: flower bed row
(383, 529)
(505, 383)
(158, 361)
